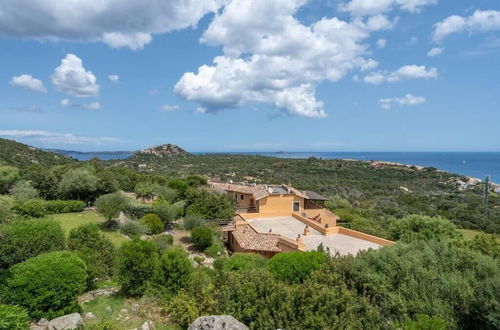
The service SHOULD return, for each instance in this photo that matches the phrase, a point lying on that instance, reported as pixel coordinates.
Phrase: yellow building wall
(245, 202)
(279, 205)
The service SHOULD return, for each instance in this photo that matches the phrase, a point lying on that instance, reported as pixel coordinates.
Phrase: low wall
(288, 245)
(313, 224)
(360, 235)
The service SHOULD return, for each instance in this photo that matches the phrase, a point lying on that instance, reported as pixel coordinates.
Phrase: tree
(94, 248)
(78, 183)
(110, 205)
(173, 271)
(146, 189)
(46, 285)
(337, 202)
(243, 261)
(202, 237)
(419, 227)
(208, 205)
(23, 191)
(6, 209)
(8, 175)
(295, 267)
(24, 239)
(183, 310)
(166, 211)
(135, 265)
(487, 244)
(152, 223)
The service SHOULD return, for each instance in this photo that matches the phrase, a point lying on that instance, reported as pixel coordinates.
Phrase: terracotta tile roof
(249, 239)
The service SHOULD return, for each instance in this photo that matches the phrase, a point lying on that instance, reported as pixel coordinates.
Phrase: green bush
(46, 285)
(110, 205)
(6, 209)
(132, 228)
(94, 248)
(192, 220)
(101, 325)
(13, 318)
(209, 205)
(215, 250)
(424, 322)
(202, 237)
(23, 191)
(136, 210)
(183, 310)
(34, 208)
(60, 206)
(295, 267)
(163, 242)
(24, 239)
(418, 227)
(135, 265)
(173, 272)
(166, 211)
(243, 261)
(152, 223)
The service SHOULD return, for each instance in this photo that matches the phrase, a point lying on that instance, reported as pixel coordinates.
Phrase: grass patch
(70, 221)
(469, 234)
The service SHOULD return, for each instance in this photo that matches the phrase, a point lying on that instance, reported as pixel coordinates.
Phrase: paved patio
(291, 227)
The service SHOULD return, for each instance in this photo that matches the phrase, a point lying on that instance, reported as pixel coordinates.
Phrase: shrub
(60, 206)
(163, 242)
(167, 212)
(152, 223)
(202, 237)
(110, 205)
(183, 310)
(34, 208)
(48, 284)
(136, 210)
(215, 250)
(295, 267)
(191, 221)
(209, 206)
(243, 261)
(132, 228)
(23, 191)
(102, 325)
(6, 209)
(94, 248)
(173, 272)
(135, 264)
(424, 322)
(24, 239)
(418, 227)
(337, 202)
(13, 318)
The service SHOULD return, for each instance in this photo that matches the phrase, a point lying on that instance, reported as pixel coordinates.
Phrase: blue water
(473, 164)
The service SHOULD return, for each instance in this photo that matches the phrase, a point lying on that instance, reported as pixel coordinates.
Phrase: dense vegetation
(431, 279)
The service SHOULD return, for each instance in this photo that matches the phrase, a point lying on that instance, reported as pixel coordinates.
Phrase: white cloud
(71, 78)
(169, 108)
(66, 103)
(51, 137)
(407, 100)
(114, 78)
(435, 51)
(374, 7)
(405, 72)
(272, 58)
(119, 23)
(27, 81)
(479, 21)
(381, 43)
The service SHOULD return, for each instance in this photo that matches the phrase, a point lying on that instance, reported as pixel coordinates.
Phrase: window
(242, 197)
(296, 206)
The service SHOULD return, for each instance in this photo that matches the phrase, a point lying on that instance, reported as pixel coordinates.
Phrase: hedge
(60, 206)
(137, 211)
(37, 208)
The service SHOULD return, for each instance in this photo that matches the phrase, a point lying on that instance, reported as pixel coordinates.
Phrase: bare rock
(148, 325)
(43, 322)
(123, 311)
(108, 309)
(136, 308)
(89, 316)
(66, 322)
(217, 322)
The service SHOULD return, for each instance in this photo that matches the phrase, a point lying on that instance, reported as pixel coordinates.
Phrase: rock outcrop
(66, 322)
(217, 322)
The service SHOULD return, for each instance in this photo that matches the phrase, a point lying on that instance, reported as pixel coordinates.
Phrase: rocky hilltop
(164, 150)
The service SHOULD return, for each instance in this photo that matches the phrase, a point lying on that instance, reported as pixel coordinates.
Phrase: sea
(472, 164)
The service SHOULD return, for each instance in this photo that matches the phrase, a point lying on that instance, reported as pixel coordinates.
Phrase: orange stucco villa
(279, 218)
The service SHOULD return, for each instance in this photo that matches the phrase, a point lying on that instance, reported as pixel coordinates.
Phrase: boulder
(148, 325)
(217, 322)
(89, 316)
(66, 322)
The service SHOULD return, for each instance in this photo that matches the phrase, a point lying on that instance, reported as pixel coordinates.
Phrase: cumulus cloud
(373, 7)
(51, 137)
(169, 108)
(114, 78)
(405, 72)
(28, 82)
(407, 100)
(270, 57)
(71, 78)
(66, 103)
(118, 23)
(479, 21)
(435, 51)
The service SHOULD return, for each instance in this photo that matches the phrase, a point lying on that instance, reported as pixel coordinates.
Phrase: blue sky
(262, 75)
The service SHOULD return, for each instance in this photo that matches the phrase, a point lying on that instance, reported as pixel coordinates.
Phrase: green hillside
(21, 155)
